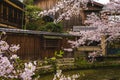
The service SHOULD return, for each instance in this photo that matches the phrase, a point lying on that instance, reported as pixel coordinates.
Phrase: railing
(10, 21)
(60, 63)
(89, 48)
(65, 62)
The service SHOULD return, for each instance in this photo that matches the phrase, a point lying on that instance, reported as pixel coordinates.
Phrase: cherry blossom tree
(103, 24)
(103, 27)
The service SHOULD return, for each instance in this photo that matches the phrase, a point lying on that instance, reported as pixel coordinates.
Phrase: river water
(90, 74)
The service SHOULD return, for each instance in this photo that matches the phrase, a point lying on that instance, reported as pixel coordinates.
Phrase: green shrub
(35, 25)
(52, 27)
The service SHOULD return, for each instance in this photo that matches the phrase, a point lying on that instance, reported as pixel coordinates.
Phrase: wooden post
(82, 14)
(103, 45)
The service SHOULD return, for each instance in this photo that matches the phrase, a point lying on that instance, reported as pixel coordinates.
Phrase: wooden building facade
(75, 20)
(37, 44)
(11, 14)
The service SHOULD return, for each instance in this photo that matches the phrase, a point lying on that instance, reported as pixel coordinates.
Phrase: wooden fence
(36, 44)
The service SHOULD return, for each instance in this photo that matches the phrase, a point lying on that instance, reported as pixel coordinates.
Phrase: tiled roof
(21, 31)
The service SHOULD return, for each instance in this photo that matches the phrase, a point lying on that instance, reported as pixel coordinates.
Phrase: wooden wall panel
(45, 4)
(31, 46)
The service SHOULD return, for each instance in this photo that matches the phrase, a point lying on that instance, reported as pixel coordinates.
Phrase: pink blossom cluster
(5, 66)
(28, 71)
(14, 48)
(4, 47)
(113, 6)
(60, 76)
(14, 56)
(68, 49)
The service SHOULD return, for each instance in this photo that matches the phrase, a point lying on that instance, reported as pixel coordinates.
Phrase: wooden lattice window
(1, 11)
(5, 11)
(52, 42)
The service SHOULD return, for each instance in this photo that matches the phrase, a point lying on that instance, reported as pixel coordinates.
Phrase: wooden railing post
(103, 44)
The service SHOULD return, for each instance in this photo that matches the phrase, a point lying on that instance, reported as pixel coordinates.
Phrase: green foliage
(35, 22)
(53, 59)
(32, 12)
(59, 54)
(114, 44)
(81, 61)
(48, 19)
(3, 78)
(19, 64)
(35, 25)
(52, 27)
(31, 15)
(28, 2)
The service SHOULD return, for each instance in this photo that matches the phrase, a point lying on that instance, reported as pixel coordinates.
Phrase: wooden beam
(89, 48)
(14, 5)
(7, 26)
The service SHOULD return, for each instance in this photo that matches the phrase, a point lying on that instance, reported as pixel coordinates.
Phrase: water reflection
(91, 74)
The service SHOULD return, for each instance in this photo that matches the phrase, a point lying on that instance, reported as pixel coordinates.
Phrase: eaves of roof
(21, 31)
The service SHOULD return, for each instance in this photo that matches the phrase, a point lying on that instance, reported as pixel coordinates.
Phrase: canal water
(90, 74)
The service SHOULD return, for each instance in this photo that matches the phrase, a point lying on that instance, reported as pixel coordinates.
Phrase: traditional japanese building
(76, 20)
(11, 14)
